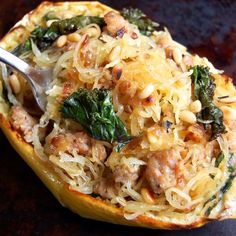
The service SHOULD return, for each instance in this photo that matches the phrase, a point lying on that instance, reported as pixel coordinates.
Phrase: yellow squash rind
(80, 203)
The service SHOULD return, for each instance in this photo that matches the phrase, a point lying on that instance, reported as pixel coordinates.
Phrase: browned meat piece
(122, 174)
(79, 141)
(163, 170)
(22, 122)
(106, 186)
(116, 24)
(100, 150)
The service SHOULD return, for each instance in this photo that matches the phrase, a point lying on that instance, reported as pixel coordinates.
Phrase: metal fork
(39, 80)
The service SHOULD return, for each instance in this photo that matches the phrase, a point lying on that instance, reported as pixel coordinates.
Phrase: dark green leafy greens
(94, 111)
(219, 196)
(45, 37)
(219, 159)
(231, 163)
(210, 115)
(138, 18)
(209, 209)
(232, 174)
(4, 94)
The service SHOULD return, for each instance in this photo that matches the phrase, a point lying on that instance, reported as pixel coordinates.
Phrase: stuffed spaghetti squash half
(136, 131)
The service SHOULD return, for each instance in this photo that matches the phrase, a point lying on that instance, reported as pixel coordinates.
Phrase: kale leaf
(138, 18)
(45, 37)
(231, 163)
(94, 111)
(220, 195)
(219, 159)
(210, 115)
(227, 185)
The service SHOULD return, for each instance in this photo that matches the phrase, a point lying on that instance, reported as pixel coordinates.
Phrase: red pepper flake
(116, 73)
(134, 35)
(150, 100)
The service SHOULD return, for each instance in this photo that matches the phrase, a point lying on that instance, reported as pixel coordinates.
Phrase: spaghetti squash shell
(82, 204)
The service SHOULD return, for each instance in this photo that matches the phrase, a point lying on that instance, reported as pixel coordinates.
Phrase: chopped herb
(4, 94)
(210, 115)
(94, 111)
(231, 163)
(222, 97)
(210, 199)
(208, 211)
(221, 193)
(230, 169)
(45, 37)
(138, 18)
(228, 184)
(120, 145)
(212, 176)
(219, 159)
